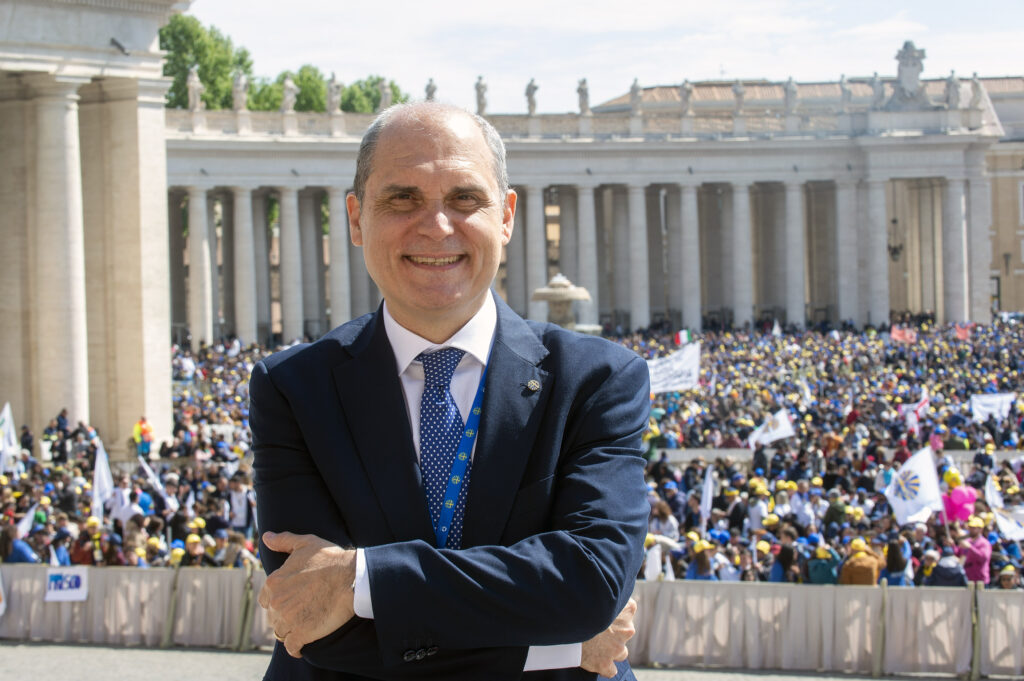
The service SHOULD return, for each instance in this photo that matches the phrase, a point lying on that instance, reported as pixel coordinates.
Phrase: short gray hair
(364, 160)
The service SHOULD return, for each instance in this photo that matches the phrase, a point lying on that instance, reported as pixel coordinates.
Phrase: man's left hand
(309, 596)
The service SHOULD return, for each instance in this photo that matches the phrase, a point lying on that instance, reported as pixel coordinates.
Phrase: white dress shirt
(475, 339)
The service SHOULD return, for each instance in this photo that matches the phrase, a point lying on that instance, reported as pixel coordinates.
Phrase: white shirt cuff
(361, 601)
(538, 658)
(563, 656)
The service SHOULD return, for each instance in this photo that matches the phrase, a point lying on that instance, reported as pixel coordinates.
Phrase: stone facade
(699, 203)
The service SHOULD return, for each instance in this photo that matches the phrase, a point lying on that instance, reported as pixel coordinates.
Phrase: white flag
(775, 428)
(25, 524)
(776, 329)
(914, 491)
(102, 481)
(3, 597)
(9, 447)
(678, 371)
(1009, 527)
(991, 404)
(706, 495)
(154, 482)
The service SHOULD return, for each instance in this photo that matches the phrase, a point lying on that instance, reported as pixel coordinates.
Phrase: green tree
(188, 42)
(363, 96)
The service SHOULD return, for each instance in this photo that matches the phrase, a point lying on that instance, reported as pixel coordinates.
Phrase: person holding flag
(914, 492)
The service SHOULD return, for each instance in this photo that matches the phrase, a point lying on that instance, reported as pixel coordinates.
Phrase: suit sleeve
(291, 496)
(563, 585)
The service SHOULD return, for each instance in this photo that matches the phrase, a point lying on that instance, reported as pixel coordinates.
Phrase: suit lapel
(374, 406)
(511, 415)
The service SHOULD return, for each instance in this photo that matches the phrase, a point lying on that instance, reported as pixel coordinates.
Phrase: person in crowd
(861, 566)
(948, 570)
(13, 549)
(1008, 579)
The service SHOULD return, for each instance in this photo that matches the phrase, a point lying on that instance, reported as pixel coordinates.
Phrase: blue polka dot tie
(440, 433)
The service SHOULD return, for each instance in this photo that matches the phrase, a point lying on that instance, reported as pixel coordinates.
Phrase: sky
(611, 42)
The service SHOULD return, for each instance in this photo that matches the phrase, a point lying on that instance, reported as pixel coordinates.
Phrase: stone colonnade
(691, 253)
(85, 285)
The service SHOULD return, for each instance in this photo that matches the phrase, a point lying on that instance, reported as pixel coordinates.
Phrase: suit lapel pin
(533, 385)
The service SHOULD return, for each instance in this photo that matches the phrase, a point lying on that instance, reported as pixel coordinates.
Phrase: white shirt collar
(474, 337)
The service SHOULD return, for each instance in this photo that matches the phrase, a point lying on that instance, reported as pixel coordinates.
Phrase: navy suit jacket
(555, 515)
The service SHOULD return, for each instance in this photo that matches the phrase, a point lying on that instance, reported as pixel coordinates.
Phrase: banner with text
(67, 584)
(678, 371)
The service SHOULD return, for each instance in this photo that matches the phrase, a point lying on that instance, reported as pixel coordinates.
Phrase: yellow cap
(140, 552)
(192, 539)
(197, 523)
(816, 481)
(45, 501)
(93, 521)
(702, 545)
(975, 521)
(771, 520)
(693, 536)
(822, 552)
(858, 544)
(763, 546)
(3, 480)
(153, 541)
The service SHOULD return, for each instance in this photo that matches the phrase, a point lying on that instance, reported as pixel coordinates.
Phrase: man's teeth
(420, 260)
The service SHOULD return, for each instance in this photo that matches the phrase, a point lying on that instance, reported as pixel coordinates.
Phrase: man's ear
(508, 216)
(355, 229)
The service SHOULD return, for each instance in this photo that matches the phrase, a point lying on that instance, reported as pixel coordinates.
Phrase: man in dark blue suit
(387, 560)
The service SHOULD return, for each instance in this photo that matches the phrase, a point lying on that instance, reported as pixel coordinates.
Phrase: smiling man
(447, 490)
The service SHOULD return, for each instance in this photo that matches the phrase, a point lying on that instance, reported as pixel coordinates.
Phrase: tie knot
(439, 366)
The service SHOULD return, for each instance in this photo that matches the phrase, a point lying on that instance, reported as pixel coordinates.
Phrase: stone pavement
(54, 662)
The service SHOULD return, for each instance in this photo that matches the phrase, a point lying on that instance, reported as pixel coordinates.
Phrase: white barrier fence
(866, 630)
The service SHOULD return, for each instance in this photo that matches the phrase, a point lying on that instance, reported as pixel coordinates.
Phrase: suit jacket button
(420, 654)
(432, 650)
(409, 655)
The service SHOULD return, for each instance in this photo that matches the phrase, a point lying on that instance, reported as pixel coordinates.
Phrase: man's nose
(436, 222)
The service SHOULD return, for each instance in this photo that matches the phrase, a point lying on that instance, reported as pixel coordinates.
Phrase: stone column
(673, 251)
(200, 273)
(262, 266)
(588, 263)
(245, 266)
(58, 281)
(742, 257)
(877, 254)
(980, 196)
(211, 234)
(847, 247)
(954, 251)
(689, 257)
(176, 241)
(227, 262)
(515, 259)
(620, 251)
(291, 265)
(639, 262)
(309, 232)
(536, 251)
(568, 249)
(359, 280)
(341, 305)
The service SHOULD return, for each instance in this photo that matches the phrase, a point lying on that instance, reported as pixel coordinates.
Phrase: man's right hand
(602, 652)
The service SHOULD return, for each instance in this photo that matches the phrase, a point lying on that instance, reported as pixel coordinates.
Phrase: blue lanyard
(459, 465)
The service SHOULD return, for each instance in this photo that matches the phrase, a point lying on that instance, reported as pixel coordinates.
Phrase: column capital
(240, 189)
(45, 85)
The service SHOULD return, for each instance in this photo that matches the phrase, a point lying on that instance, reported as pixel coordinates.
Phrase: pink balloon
(959, 503)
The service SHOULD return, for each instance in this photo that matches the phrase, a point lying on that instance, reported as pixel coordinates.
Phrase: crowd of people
(807, 508)
(810, 508)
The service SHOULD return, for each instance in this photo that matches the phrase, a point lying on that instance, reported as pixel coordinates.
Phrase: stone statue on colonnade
(288, 93)
(385, 94)
(877, 92)
(531, 97)
(481, 96)
(790, 95)
(845, 94)
(909, 93)
(240, 91)
(334, 89)
(686, 97)
(976, 92)
(431, 90)
(583, 91)
(952, 91)
(739, 92)
(636, 98)
(195, 89)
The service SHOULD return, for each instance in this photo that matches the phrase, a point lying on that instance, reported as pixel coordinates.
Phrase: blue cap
(993, 538)
(813, 539)
(671, 485)
(220, 534)
(758, 471)
(48, 488)
(177, 544)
